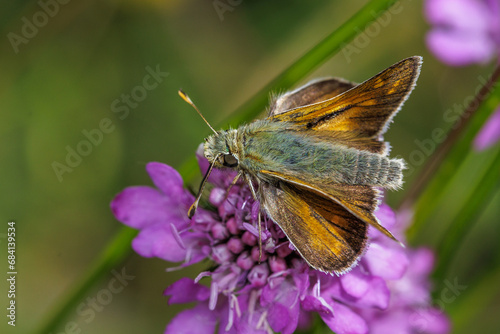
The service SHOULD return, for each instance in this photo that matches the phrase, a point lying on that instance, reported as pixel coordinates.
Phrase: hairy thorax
(221, 144)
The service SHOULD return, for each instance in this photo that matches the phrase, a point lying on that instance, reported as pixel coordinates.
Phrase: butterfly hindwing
(359, 200)
(327, 236)
(313, 92)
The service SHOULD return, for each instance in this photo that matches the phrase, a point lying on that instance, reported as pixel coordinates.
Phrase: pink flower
(278, 292)
(490, 133)
(463, 31)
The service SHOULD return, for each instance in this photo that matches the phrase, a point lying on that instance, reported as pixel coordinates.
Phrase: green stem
(114, 253)
(477, 200)
(119, 247)
(433, 164)
(445, 162)
(324, 50)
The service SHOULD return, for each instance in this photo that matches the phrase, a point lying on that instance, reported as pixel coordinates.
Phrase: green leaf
(119, 247)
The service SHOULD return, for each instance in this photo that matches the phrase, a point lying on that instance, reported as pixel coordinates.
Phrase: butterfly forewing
(313, 92)
(362, 111)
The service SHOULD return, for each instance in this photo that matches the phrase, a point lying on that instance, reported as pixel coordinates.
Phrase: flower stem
(429, 185)
(477, 200)
(114, 253)
(324, 50)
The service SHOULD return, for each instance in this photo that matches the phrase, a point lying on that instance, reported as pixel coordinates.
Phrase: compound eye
(230, 160)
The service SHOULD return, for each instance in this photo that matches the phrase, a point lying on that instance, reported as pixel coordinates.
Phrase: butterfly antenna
(188, 100)
(194, 206)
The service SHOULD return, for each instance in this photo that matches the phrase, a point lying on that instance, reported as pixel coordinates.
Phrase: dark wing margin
(326, 235)
(312, 92)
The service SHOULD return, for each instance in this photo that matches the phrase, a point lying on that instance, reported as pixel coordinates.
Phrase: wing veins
(326, 227)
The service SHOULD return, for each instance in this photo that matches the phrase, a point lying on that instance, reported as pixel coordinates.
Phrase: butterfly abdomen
(377, 170)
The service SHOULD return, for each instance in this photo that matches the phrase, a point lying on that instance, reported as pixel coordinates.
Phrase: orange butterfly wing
(327, 223)
(360, 201)
(313, 92)
(358, 117)
(327, 236)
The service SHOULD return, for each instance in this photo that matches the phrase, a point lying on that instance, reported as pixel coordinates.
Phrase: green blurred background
(64, 79)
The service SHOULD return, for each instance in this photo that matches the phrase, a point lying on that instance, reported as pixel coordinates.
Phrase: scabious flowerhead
(464, 31)
(277, 291)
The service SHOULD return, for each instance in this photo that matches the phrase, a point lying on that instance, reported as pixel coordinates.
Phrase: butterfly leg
(250, 184)
(236, 178)
(260, 237)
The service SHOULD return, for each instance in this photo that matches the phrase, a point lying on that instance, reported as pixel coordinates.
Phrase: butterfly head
(221, 149)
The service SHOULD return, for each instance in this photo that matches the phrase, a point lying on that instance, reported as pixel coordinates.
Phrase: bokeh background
(66, 78)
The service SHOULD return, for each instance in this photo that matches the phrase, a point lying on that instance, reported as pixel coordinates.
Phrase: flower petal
(166, 178)
(305, 321)
(458, 48)
(355, 283)
(422, 261)
(362, 290)
(186, 290)
(345, 320)
(278, 317)
(199, 320)
(140, 206)
(430, 321)
(387, 219)
(464, 15)
(248, 324)
(281, 298)
(378, 295)
(283, 318)
(389, 262)
(279, 290)
(393, 321)
(159, 241)
(311, 303)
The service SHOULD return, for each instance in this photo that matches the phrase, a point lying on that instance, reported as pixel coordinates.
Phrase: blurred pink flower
(383, 294)
(463, 31)
(490, 133)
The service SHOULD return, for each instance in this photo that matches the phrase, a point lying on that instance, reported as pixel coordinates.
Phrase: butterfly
(317, 162)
